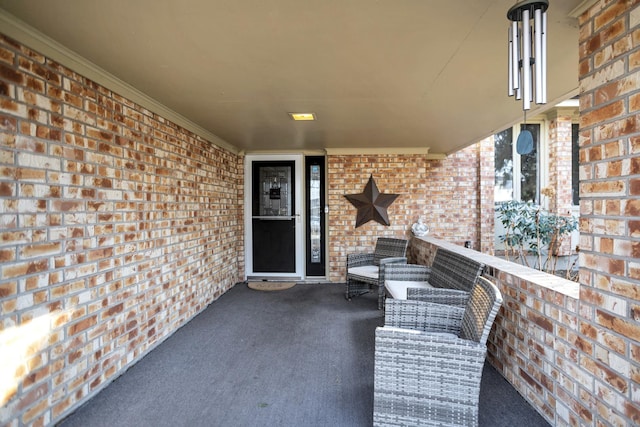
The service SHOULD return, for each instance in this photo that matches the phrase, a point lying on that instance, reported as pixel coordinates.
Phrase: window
(517, 176)
(503, 142)
(529, 178)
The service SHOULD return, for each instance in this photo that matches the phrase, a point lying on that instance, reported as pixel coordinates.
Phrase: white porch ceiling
(379, 74)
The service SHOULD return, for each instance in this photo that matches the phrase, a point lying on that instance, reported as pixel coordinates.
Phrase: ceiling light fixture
(527, 54)
(303, 116)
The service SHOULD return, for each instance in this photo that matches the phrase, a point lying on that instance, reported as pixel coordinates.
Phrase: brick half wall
(535, 341)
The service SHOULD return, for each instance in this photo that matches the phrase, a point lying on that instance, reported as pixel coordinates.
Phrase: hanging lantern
(528, 51)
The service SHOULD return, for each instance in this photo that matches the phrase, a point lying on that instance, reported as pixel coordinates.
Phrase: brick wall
(116, 227)
(443, 192)
(610, 210)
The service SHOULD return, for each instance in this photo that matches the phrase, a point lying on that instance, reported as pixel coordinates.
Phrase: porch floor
(302, 356)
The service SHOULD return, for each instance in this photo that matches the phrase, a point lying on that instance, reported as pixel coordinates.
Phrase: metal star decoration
(371, 204)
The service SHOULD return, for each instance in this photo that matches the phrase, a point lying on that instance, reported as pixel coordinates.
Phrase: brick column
(610, 213)
(560, 121)
(487, 172)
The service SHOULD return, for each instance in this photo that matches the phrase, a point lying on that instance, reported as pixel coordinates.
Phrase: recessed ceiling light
(303, 116)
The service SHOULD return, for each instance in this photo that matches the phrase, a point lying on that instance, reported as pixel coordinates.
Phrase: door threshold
(315, 279)
(273, 278)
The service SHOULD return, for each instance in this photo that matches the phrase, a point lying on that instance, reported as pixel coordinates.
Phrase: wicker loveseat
(448, 280)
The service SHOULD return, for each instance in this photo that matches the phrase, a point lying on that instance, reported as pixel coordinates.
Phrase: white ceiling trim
(282, 152)
(582, 8)
(385, 150)
(29, 36)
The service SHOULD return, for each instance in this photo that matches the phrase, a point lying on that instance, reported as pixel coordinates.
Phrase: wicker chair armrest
(453, 297)
(420, 343)
(357, 260)
(423, 316)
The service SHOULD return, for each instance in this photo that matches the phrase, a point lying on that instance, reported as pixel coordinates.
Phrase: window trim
(542, 159)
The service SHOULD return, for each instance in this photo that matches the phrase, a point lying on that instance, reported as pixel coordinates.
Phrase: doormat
(270, 286)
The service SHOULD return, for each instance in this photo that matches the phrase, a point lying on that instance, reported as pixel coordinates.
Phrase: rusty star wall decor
(371, 204)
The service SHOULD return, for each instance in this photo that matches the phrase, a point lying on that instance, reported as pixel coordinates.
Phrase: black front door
(273, 217)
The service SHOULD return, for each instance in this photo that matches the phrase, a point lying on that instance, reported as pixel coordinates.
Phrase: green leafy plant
(531, 230)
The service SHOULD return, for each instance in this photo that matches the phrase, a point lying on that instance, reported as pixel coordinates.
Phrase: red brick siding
(444, 192)
(116, 227)
(487, 200)
(610, 290)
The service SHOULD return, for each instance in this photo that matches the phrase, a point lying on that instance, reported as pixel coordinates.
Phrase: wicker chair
(448, 281)
(429, 359)
(367, 269)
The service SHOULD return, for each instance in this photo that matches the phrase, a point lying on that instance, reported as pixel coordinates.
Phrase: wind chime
(528, 59)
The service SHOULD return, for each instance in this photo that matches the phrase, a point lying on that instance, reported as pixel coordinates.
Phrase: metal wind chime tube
(514, 59)
(526, 61)
(537, 36)
(528, 51)
(543, 57)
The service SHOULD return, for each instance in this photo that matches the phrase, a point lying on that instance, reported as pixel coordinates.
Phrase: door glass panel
(275, 197)
(273, 223)
(314, 214)
(529, 167)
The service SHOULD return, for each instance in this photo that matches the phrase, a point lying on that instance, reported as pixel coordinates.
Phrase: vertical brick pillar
(560, 121)
(610, 209)
(487, 171)
(240, 243)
